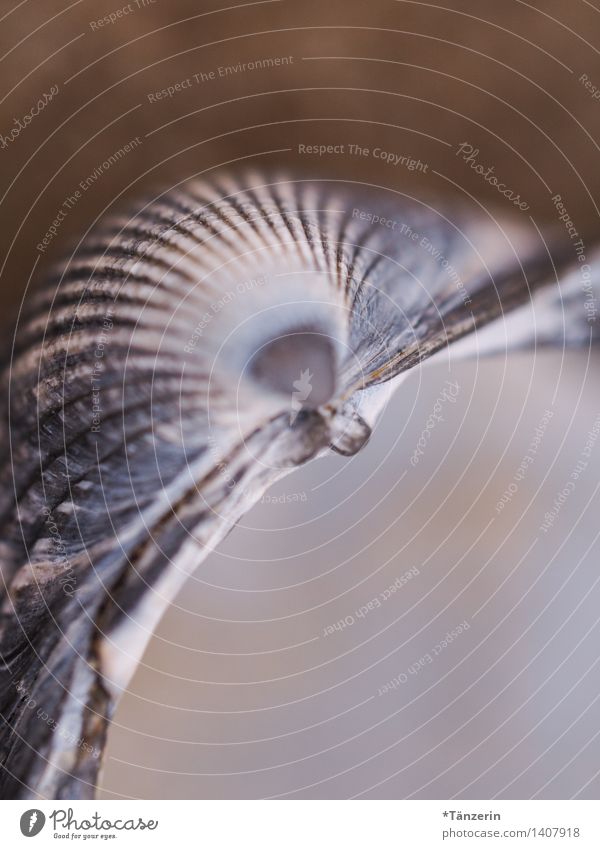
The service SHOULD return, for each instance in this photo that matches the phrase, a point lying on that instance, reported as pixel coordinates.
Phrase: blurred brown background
(418, 80)
(241, 694)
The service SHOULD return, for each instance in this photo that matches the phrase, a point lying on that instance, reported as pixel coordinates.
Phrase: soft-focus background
(247, 690)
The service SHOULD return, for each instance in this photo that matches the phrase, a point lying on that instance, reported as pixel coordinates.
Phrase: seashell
(187, 356)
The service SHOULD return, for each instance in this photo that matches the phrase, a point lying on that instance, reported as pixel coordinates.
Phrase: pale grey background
(240, 694)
